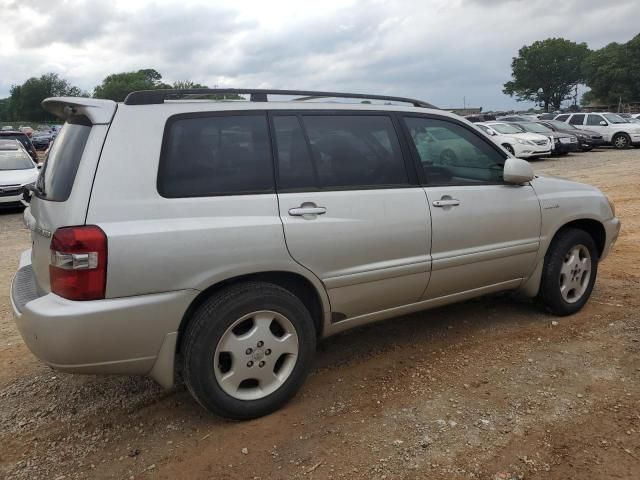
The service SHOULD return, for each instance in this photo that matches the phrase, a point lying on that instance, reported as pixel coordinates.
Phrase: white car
(17, 170)
(515, 141)
(615, 130)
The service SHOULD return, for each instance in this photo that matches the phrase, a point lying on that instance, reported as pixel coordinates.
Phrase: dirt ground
(487, 389)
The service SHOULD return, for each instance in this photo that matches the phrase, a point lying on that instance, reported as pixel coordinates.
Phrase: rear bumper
(120, 335)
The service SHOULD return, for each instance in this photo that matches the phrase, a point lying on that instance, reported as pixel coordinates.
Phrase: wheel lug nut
(249, 351)
(261, 364)
(267, 351)
(249, 363)
(260, 343)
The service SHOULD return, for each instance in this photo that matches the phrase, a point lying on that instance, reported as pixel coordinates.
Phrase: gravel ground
(488, 389)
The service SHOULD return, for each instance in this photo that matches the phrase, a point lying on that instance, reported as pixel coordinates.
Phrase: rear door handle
(302, 210)
(449, 202)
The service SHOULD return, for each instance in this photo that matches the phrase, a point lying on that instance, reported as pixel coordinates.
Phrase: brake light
(78, 267)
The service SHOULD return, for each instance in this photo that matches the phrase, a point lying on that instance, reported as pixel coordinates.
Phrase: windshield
(504, 128)
(613, 118)
(15, 160)
(535, 128)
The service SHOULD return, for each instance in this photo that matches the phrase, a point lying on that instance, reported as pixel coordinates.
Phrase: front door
(485, 233)
(350, 213)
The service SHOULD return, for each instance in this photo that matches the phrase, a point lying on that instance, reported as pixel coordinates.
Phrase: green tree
(118, 85)
(547, 71)
(4, 109)
(613, 73)
(26, 99)
(187, 84)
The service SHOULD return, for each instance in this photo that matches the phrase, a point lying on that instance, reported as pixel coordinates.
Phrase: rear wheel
(247, 350)
(569, 273)
(621, 141)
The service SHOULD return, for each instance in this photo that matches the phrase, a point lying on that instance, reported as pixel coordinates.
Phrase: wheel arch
(294, 282)
(593, 227)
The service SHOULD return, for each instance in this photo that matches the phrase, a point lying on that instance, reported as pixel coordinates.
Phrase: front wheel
(247, 350)
(621, 141)
(569, 273)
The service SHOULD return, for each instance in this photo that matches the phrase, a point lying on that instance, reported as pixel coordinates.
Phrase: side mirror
(517, 171)
(603, 123)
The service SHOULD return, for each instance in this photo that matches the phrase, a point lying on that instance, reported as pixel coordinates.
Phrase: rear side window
(59, 171)
(577, 119)
(562, 118)
(215, 155)
(338, 151)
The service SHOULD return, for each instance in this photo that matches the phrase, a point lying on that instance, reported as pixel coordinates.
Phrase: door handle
(446, 202)
(304, 210)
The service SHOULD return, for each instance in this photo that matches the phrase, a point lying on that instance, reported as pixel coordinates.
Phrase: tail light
(78, 267)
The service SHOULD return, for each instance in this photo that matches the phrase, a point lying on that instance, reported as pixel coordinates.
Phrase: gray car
(222, 239)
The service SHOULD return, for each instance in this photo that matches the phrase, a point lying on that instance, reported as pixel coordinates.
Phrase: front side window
(338, 151)
(594, 119)
(452, 155)
(215, 155)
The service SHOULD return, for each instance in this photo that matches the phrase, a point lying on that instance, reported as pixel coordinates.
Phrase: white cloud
(438, 50)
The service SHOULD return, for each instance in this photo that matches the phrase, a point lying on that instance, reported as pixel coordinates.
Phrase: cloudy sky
(436, 50)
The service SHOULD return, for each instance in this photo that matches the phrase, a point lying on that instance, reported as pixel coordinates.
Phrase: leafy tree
(186, 84)
(4, 109)
(613, 73)
(25, 100)
(547, 71)
(118, 85)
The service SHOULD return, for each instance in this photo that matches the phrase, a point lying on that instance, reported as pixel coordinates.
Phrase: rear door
(352, 212)
(64, 185)
(485, 233)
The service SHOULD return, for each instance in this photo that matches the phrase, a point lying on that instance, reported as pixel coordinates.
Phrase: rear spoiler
(98, 111)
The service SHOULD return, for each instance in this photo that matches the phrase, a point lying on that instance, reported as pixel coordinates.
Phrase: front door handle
(307, 210)
(446, 202)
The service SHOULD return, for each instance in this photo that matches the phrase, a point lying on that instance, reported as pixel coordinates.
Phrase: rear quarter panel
(158, 244)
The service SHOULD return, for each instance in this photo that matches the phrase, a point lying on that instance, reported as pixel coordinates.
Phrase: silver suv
(221, 239)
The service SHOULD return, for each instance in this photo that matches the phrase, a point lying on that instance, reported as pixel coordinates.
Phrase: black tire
(550, 295)
(621, 141)
(509, 149)
(207, 326)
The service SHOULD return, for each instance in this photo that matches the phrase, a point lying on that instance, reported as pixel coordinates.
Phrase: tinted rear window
(338, 151)
(215, 155)
(60, 168)
(577, 119)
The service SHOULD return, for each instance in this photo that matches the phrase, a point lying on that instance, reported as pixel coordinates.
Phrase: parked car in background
(562, 143)
(27, 130)
(7, 128)
(17, 171)
(615, 130)
(517, 118)
(286, 223)
(547, 116)
(587, 139)
(23, 139)
(516, 141)
(41, 140)
(480, 117)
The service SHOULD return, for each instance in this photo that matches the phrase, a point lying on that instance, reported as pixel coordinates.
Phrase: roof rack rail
(151, 97)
